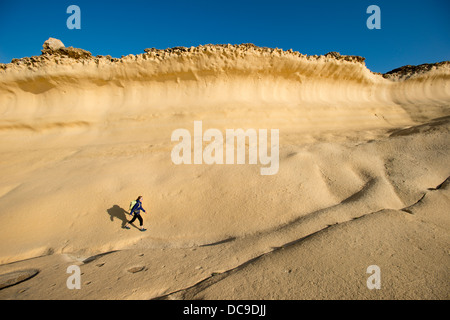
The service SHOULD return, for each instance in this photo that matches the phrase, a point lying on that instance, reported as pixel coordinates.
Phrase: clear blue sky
(412, 32)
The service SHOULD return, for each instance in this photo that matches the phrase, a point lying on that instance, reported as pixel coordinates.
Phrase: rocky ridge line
(55, 51)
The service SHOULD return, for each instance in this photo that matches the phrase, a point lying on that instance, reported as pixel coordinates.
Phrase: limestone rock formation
(53, 44)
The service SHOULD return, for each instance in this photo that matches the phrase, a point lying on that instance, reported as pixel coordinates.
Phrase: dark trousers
(138, 216)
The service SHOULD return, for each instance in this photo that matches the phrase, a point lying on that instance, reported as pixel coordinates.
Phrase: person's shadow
(117, 212)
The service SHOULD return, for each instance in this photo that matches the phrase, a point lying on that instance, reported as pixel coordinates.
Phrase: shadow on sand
(119, 213)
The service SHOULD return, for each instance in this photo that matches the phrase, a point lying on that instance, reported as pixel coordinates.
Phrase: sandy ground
(363, 179)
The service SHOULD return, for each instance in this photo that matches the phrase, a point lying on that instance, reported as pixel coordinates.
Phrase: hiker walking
(136, 212)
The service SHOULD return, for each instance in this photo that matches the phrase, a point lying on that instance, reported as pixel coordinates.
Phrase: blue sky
(412, 32)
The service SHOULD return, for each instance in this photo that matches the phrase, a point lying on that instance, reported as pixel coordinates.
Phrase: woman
(137, 215)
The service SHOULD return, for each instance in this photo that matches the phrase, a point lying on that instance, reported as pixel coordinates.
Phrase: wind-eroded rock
(54, 46)
(409, 71)
(13, 278)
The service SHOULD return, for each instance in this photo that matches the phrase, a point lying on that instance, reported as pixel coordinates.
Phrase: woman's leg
(131, 221)
(141, 221)
(134, 218)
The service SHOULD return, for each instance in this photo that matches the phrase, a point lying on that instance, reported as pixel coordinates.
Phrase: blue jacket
(137, 208)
